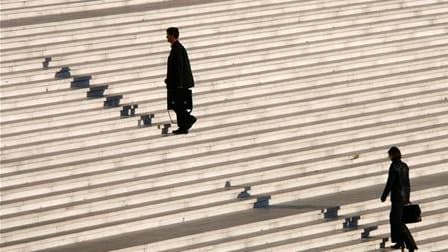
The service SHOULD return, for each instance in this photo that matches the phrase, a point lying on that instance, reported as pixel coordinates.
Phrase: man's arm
(179, 63)
(407, 186)
(390, 179)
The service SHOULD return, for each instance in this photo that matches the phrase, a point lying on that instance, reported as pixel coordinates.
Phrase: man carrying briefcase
(398, 186)
(178, 82)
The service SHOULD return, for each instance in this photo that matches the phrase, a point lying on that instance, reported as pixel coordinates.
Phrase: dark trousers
(398, 231)
(182, 105)
(184, 118)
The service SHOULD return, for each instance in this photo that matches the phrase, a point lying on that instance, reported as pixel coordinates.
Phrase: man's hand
(383, 198)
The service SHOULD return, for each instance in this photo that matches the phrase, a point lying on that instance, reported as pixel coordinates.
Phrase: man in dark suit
(179, 80)
(399, 187)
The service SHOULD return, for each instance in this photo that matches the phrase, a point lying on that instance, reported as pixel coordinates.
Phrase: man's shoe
(193, 120)
(180, 131)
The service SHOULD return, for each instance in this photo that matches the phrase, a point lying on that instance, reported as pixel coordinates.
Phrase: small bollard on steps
(96, 91)
(112, 101)
(64, 73)
(244, 194)
(145, 120)
(262, 201)
(46, 63)
(351, 222)
(165, 128)
(383, 242)
(331, 212)
(366, 233)
(128, 110)
(81, 81)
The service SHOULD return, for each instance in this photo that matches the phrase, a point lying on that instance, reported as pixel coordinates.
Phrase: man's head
(394, 153)
(172, 34)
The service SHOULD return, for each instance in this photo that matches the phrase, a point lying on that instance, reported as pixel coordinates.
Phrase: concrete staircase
(297, 104)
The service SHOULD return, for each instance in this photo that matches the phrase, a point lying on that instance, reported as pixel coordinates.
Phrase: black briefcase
(411, 213)
(179, 96)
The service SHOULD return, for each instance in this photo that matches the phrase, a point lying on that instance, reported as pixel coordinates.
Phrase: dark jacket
(178, 71)
(398, 183)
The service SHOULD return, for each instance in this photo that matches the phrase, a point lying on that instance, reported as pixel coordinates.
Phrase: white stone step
(44, 9)
(307, 243)
(382, 214)
(373, 244)
(15, 127)
(280, 77)
(229, 52)
(271, 236)
(203, 87)
(258, 13)
(79, 58)
(437, 244)
(212, 183)
(226, 236)
(12, 4)
(139, 185)
(231, 16)
(315, 103)
(428, 218)
(154, 15)
(280, 183)
(96, 80)
(271, 112)
(8, 166)
(189, 38)
(22, 178)
(248, 96)
(160, 106)
(341, 185)
(42, 87)
(255, 240)
(86, 6)
(132, 226)
(434, 109)
(183, 14)
(9, 4)
(295, 219)
(276, 53)
(23, 128)
(357, 202)
(153, 208)
(51, 109)
(13, 102)
(24, 191)
(230, 37)
(43, 98)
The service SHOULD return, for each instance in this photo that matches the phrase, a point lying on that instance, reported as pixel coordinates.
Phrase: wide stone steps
(15, 11)
(258, 173)
(416, 172)
(15, 89)
(112, 113)
(298, 124)
(134, 23)
(267, 115)
(27, 106)
(313, 241)
(425, 51)
(38, 161)
(306, 212)
(137, 51)
(228, 52)
(260, 169)
(158, 45)
(273, 236)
